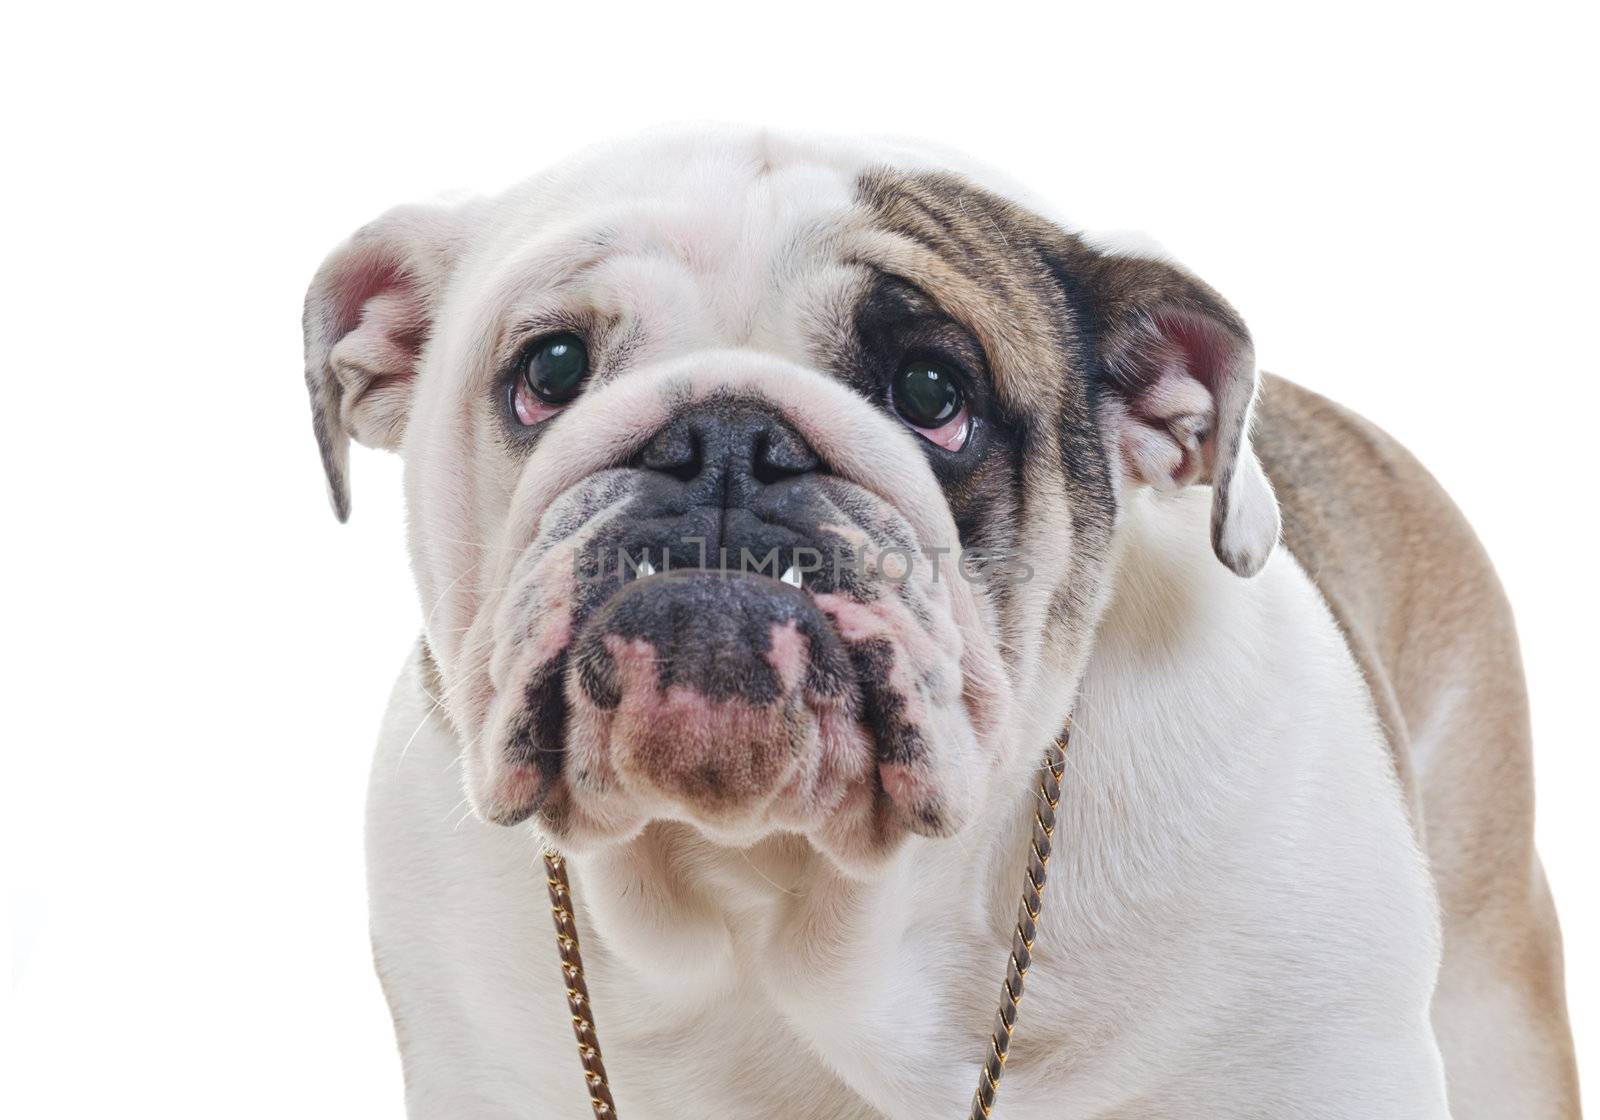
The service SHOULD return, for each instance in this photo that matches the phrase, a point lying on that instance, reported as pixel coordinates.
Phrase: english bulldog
(773, 503)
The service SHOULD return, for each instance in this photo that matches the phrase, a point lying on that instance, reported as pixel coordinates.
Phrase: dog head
(768, 484)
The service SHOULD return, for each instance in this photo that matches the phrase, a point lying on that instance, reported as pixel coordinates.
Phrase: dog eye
(928, 397)
(553, 370)
(555, 367)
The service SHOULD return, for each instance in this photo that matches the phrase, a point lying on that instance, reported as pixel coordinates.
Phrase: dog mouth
(729, 696)
(781, 657)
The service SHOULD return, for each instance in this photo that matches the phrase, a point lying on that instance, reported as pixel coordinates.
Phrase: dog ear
(368, 313)
(1181, 374)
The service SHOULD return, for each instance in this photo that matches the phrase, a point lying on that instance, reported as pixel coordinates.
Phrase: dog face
(765, 484)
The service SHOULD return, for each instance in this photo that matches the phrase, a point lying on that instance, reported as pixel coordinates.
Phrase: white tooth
(791, 576)
(646, 568)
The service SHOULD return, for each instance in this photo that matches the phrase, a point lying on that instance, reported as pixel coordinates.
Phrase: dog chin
(859, 832)
(860, 838)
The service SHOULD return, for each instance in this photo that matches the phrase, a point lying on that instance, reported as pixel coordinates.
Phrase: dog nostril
(678, 452)
(778, 454)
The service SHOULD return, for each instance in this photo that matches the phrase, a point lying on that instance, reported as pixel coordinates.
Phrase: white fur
(1238, 921)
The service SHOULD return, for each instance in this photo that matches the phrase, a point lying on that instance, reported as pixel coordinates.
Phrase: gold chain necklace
(1005, 1022)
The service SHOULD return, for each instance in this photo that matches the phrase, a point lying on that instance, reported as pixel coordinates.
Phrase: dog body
(796, 816)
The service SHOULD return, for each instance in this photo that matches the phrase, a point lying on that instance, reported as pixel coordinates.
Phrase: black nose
(728, 451)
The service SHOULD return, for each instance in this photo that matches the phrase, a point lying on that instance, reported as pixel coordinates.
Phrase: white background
(1401, 200)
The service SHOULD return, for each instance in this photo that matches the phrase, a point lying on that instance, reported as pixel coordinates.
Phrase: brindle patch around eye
(1028, 290)
(982, 482)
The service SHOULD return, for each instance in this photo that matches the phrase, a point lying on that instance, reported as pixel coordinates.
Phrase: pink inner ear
(381, 323)
(1206, 348)
(376, 295)
(362, 277)
(381, 327)
(1167, 425)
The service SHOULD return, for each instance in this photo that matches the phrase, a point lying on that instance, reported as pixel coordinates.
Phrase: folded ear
(369, 312)
(1181, 375)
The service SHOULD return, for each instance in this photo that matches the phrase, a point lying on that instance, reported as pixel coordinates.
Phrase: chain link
(594, 1067)
(1005, 1020)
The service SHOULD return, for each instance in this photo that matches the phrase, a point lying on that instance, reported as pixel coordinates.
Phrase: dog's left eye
(927, 395)
(551, 374)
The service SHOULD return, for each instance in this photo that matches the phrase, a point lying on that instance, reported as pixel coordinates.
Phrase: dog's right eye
(552, 373)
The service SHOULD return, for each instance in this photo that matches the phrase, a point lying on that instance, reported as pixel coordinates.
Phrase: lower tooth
(646, 568)
(791, 576)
